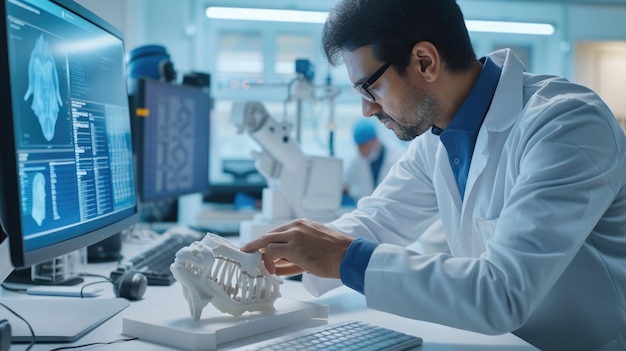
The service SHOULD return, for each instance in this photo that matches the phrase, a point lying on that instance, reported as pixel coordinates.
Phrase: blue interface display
(72, 124)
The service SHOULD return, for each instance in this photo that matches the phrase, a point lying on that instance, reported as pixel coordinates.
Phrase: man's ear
(426, 58)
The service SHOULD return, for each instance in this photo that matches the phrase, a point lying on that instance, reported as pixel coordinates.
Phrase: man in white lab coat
(371, 165)
(526, 172)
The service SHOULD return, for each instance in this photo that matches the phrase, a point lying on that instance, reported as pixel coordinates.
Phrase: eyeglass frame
(363, 87)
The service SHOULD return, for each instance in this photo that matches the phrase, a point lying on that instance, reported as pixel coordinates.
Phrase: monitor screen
(66, 158)
(171, 134)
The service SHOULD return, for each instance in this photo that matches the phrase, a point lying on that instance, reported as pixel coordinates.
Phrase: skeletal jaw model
(214, 270)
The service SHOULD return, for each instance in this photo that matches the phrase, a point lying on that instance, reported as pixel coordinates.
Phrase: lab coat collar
(502, 115)
(506, 105)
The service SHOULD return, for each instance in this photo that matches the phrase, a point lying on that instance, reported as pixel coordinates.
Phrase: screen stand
(24, 276)
(58, 320)
(107, 250)
(63, 270)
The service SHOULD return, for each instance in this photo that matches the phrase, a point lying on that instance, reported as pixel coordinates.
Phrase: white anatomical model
(214, 270)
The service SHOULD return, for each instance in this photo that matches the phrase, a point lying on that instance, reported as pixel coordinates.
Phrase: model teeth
(192, 268)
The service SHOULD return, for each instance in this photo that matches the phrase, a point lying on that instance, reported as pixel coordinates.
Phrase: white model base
(171, 325)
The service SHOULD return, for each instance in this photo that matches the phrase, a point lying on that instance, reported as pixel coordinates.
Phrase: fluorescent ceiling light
(510, 27)
(247, 14)
(251, 14)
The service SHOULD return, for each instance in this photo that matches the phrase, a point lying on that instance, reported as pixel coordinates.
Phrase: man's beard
(423, 113)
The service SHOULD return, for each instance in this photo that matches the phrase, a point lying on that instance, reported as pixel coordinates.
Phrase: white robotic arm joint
(299, 185)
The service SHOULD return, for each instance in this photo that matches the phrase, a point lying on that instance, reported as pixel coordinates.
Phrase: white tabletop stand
(343, 304)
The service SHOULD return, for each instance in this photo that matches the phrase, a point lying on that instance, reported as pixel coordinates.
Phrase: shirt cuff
(354, 263)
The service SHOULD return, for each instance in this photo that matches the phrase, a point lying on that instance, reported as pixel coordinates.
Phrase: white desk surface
(344, 304)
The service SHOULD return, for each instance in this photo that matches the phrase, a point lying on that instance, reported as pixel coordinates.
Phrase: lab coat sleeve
(399, 210)
(562, 182)
(317, 286)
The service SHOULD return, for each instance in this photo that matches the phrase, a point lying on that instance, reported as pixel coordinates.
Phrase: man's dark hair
(392, 27)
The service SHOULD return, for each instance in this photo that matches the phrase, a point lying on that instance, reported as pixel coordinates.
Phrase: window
(240, 53)
(290, 47)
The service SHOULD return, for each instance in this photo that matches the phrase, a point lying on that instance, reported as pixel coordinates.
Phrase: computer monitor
(171, 134)
(66, 157)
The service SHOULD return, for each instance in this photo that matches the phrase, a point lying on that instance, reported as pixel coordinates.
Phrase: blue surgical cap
(364, 131)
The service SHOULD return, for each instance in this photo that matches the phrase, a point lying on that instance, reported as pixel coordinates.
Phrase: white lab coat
(538, 246)
(359, 178)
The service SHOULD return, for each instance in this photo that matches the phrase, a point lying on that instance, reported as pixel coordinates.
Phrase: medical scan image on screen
(43, 87)
(38, 203)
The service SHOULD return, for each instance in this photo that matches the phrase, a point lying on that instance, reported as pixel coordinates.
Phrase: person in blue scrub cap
(372, 163)
(526, 173)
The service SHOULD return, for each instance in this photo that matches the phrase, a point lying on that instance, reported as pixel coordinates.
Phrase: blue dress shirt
(459, 139)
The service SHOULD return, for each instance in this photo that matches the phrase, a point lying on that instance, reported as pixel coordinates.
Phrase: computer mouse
(131, 285)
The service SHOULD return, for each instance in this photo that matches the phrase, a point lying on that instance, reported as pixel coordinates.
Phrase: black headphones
(130, 285)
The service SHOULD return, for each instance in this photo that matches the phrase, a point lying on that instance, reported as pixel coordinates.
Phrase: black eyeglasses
(363, 87)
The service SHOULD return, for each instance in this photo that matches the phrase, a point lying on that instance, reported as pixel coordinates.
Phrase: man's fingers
(269, 263)
(251, 246)
(280, 234)
(294, 243)
(263, 241)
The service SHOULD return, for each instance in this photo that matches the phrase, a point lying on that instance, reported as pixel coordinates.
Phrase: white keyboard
(342, 336)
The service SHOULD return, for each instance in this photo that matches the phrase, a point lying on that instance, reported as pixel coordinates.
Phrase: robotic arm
(298, 185)
(281, 154)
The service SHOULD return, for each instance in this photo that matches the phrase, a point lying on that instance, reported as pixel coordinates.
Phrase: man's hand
(302, 245)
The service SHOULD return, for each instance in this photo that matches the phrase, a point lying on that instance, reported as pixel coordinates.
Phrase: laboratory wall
(251, 60)
(180, 25)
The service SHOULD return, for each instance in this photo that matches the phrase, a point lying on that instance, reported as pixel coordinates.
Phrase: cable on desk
(82, 288)
(95, 275)
(32, 332)
(32, 335)
(93, 344)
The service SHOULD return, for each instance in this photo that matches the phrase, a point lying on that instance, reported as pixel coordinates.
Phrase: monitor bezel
(10, 214)
(6, 267)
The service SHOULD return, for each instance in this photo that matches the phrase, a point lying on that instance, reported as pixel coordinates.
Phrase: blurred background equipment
(298, 185)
